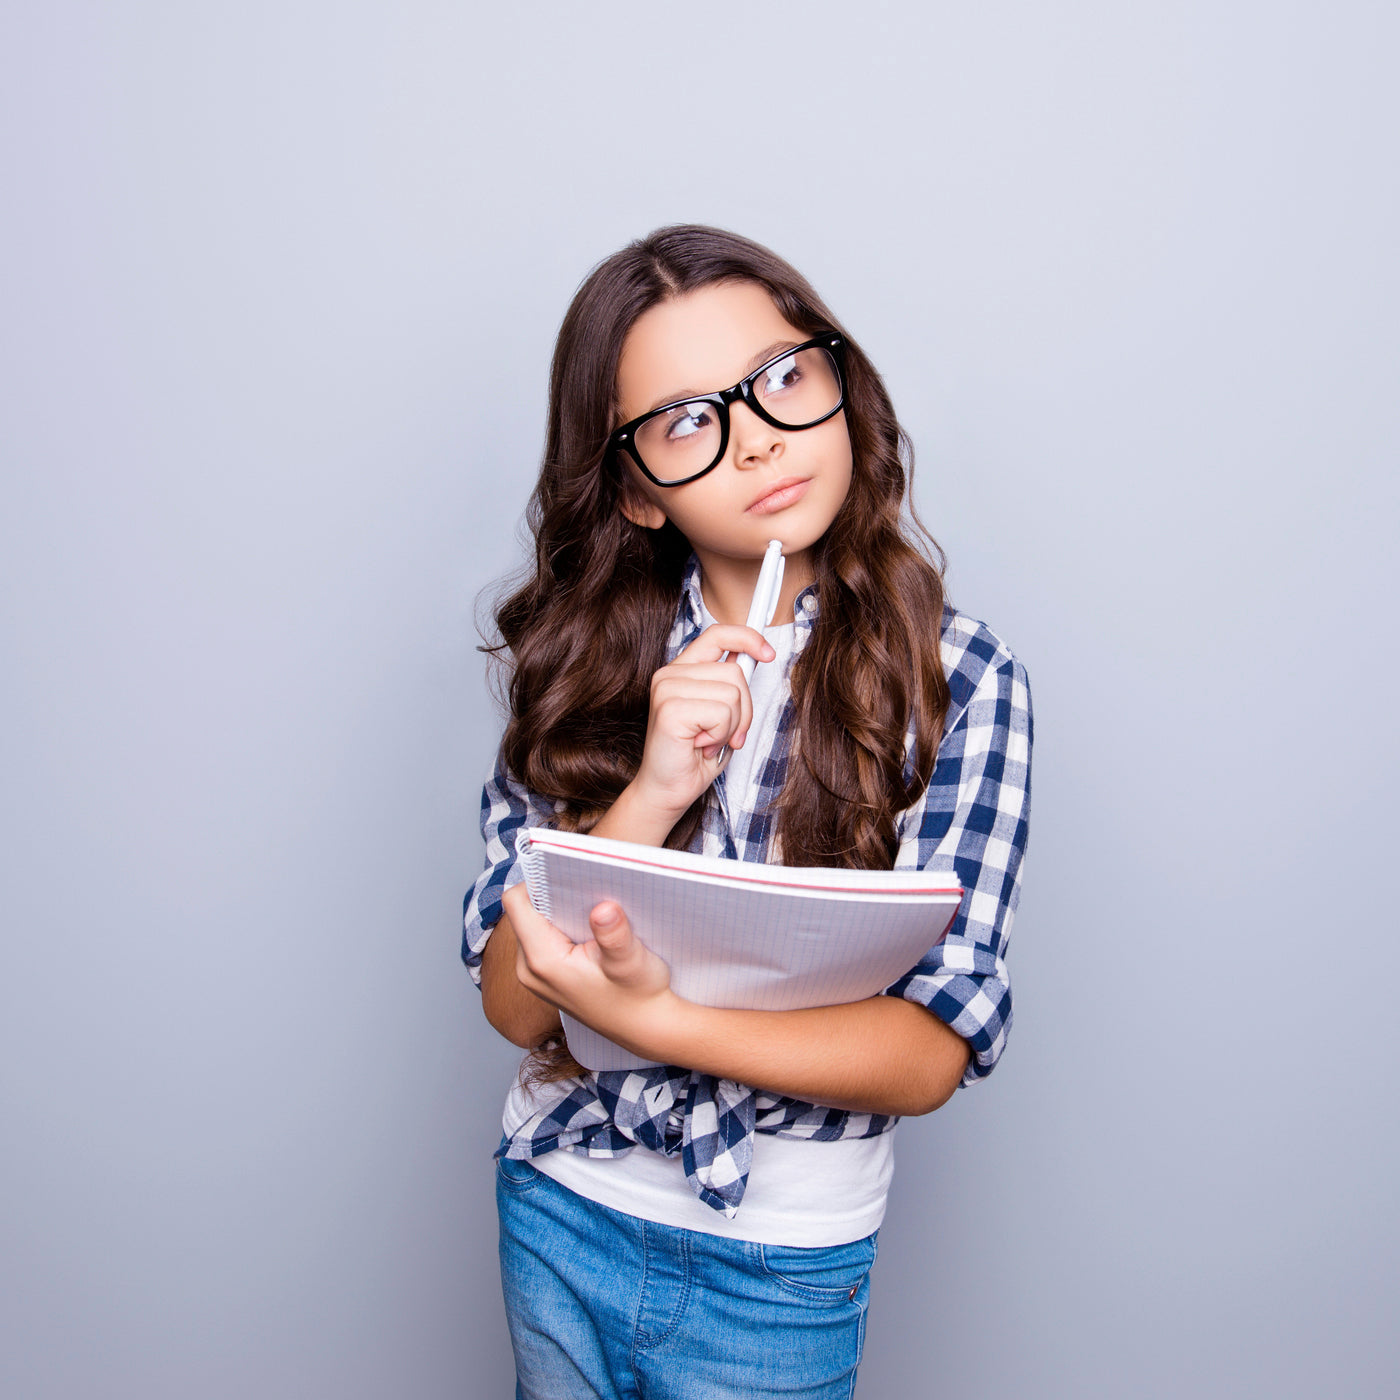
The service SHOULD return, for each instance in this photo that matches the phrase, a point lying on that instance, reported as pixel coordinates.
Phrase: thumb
(620, 953)
(611, 931)
(622, 956)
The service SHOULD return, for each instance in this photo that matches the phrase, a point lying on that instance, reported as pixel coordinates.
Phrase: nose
(754, 441)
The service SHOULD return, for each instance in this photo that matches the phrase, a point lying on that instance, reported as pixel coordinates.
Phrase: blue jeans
(605, 1305)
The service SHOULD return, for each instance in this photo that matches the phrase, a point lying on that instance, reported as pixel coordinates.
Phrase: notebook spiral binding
(532, 862)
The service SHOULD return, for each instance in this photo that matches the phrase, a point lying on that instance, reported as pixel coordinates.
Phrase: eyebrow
(762, 357)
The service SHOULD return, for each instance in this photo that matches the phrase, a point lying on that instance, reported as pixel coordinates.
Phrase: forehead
(697, 343)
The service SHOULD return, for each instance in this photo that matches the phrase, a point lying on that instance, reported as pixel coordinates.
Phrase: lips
(780, 494)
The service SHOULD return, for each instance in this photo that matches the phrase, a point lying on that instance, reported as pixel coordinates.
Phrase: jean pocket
(824, 1272)
(515, 1174)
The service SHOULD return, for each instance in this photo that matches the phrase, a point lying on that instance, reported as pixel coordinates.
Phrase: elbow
(913, 1097)
(507, 1020)
(522, 1038)
(940, 1071)
(931, 1097)
(508, 1027)
(514, 1013)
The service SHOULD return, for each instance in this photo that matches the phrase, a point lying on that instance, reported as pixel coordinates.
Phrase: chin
(797, 536)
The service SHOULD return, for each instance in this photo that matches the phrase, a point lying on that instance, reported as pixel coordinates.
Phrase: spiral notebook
(737, 933)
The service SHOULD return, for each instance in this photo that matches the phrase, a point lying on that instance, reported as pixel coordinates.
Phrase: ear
(647, 514)
(641, 510)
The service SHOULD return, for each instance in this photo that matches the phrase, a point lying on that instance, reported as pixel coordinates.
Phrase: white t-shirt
(769, 691)
(799, 1192)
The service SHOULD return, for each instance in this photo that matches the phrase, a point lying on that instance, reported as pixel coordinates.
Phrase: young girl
(707, 1228)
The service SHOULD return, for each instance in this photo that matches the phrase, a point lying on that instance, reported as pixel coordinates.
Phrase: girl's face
(772, 483)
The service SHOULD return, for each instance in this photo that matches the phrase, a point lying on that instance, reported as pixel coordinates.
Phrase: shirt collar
(804, 611)
(690, 595)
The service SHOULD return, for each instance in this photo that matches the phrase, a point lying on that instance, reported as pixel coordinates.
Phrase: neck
(727, 585)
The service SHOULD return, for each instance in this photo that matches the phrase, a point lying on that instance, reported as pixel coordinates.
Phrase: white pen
(765, 602)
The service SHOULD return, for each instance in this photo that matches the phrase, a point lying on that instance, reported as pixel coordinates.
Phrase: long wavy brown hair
(603, 586)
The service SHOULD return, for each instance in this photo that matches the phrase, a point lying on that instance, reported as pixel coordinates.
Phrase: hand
(698, 705)
(612, 983)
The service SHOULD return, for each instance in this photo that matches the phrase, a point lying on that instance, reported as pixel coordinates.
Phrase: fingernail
(606, 915)
(770, 653)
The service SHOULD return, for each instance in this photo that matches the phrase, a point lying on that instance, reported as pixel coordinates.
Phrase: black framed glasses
(681, 441)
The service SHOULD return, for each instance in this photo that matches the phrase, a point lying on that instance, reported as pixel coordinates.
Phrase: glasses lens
(681, 442)
(800, 388)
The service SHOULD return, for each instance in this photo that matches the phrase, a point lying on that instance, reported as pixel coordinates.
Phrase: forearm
(636, 817)
(882, 1055)
(514, 1011)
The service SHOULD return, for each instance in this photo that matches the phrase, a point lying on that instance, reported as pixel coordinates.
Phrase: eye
(784, 375)
(686, 421)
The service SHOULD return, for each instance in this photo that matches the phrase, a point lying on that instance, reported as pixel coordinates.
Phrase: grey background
(280, 283)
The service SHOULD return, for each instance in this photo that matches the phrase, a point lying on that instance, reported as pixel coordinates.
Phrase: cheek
(693, 509)
(836, 450)
(833, 440)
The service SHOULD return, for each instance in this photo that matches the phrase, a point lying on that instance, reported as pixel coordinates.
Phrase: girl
(706, 1228)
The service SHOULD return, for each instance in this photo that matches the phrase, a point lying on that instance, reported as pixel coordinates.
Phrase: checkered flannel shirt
(971, 820)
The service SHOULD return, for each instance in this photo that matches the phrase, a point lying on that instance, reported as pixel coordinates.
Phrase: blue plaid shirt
(971, 820)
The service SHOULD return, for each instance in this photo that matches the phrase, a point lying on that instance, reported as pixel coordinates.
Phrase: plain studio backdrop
(280, 285)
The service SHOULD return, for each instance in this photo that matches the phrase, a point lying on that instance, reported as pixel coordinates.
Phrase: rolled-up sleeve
(507, 809)
(973, 821)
